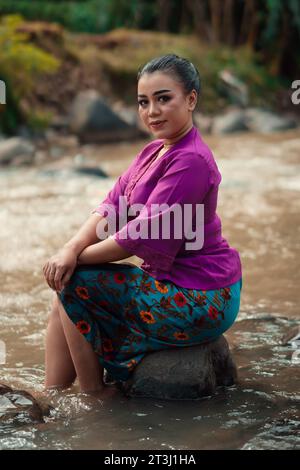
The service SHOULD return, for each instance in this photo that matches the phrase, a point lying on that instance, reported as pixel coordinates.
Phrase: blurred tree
(164, 8)
(281, 36)
(271, 27)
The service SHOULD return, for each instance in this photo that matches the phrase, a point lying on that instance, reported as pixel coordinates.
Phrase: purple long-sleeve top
(186, 174)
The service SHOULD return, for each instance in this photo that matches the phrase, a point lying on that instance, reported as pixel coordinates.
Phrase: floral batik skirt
(125, 313)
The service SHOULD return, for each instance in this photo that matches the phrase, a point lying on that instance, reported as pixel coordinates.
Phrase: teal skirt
(125, 313)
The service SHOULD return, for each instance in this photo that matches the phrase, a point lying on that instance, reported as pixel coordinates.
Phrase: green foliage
(20, 63)
(91, 16)
(245, 65)
(35, 10)
(124, 13)
(39, 120)
(135, 48)
(275, 11)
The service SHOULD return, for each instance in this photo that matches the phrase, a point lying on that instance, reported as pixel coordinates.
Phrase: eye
(140, 102)
(162, 98)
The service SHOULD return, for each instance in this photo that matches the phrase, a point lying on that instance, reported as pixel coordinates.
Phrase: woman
(111, 314)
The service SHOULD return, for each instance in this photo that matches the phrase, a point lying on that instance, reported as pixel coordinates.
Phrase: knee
(54, 313)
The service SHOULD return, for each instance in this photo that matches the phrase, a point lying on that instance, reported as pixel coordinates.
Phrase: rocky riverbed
(43, 205)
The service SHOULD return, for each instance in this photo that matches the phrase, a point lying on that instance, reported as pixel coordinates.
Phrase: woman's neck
(169, 142)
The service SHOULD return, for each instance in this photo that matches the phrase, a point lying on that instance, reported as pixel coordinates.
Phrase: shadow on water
(259, 209)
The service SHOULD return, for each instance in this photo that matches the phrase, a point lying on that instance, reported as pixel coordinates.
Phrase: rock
(260, 120)
(91, 171)
(127, 113)
(203, 123)
(82, 167)
(67, 142)
(187, 373)
(5, 404)
(232, 121)
(233, 88)
(60, 123)
(56, 152)
(16, 150)
(92, 120)
(40, 157)
(19, 407)
(292, 337)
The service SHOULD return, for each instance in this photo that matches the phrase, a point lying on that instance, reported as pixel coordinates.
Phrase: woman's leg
(86, 363)
(60, 370)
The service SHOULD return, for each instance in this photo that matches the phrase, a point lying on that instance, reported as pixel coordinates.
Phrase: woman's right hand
(59, 268)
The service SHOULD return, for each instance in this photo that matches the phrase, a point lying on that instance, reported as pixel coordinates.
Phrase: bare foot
(51, 391)
(104, 392)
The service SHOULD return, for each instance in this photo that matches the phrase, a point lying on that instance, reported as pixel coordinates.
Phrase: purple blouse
(186, 174)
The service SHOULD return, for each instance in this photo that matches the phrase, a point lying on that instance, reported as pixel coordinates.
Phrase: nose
(153, 109)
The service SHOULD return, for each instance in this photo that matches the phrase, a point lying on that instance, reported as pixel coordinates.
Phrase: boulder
(203, 123)
(231, 121)
(92, 120)
(127, 113)
(260, 120)
(16, 150)
(183, 373)
(18, 407)
(232, 87)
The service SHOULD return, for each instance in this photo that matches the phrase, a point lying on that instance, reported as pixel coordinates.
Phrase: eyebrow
(155, 93)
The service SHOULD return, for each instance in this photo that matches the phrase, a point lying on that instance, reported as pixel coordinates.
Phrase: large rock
(183, 373)
(203, 123)
(234, 88)
(18, 407)
(260, 120)
(92, 120)
(16, 150)
(231, 121)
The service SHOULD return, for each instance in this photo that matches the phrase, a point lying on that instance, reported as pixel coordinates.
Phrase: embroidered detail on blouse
(140, 173)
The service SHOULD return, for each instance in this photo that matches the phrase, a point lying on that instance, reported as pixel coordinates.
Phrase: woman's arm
(87, 234)
(60, 267)
(103, 252)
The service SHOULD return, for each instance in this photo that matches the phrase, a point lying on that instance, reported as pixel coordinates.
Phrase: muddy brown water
(259, 204)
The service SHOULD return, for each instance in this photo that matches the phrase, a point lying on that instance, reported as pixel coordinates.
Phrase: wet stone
(19, 407)
(187, 373)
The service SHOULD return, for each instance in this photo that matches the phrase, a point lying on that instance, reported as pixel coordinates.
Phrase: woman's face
(164, 107)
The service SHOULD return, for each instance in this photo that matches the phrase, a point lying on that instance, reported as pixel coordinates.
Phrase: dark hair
(181, 68)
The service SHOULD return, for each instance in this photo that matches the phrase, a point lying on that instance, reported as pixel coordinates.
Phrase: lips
(157, 124)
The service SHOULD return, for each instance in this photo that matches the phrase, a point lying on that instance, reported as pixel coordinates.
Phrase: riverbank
(41, 93)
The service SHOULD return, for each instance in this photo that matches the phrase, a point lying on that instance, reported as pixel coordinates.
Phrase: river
(259, 204)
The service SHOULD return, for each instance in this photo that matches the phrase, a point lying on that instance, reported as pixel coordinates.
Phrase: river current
(41, 207)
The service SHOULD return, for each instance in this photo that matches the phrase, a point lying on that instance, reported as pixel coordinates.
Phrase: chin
(160, 132)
